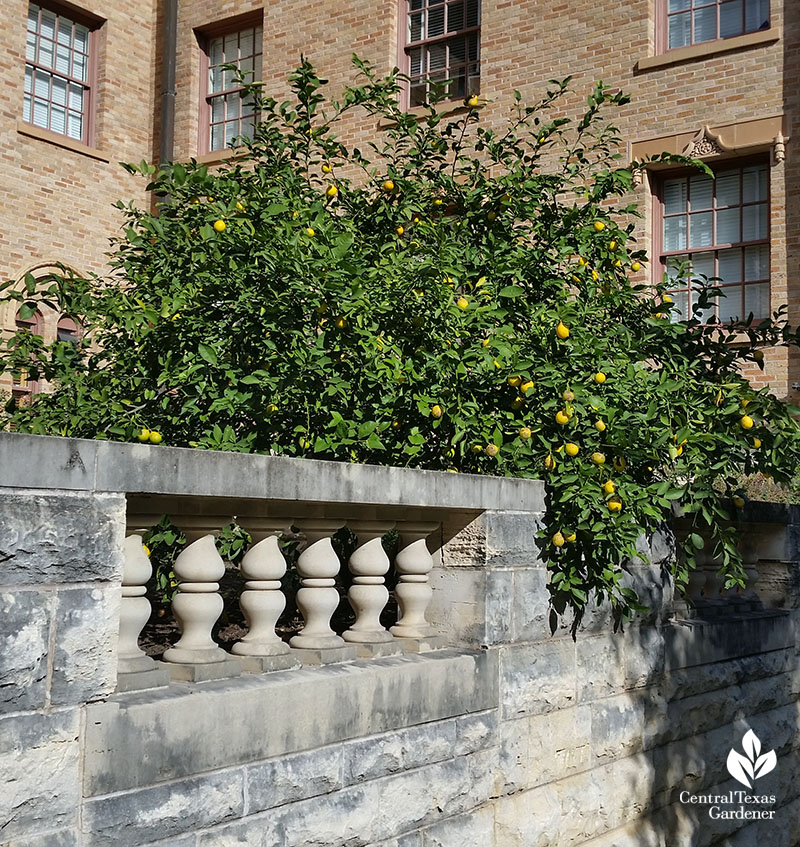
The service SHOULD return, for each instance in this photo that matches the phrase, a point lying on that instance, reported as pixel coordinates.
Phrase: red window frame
(755, 250)
(668, 11)
(69, 17)
(21, 386)
(206, 36)
(466, 83)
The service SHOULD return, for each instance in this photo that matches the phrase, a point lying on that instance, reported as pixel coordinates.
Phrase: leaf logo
(751, 766)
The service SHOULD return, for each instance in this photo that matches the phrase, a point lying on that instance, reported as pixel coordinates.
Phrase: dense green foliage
(445, 299)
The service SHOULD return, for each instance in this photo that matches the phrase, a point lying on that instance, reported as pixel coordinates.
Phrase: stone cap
(35, 461)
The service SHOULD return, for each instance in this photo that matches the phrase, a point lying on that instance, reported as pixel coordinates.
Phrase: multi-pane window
(58, 73)
(443, 44)
(229, 113)
(696, 21)
(721, 227)
(22, 387)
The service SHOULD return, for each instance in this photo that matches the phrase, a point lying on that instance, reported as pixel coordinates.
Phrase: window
(226, 112)
(22, 388)
(721, 226)
(696, 21)
(442, 45)
(59, 71)
(68, 330)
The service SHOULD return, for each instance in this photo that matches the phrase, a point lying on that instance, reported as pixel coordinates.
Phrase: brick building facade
(719, 79)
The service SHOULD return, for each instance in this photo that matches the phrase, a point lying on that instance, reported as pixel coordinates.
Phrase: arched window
(68, 330)
(22, 388)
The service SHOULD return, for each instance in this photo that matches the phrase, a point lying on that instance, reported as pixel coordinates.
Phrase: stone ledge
(279, 713)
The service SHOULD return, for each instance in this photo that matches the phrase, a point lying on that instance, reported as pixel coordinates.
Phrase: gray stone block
(475, 829)
(458, 605)
(476, 732)
(368, 697)
(617, 726)
(643, 655)
(60, 537)
(381, 649)
(511, 537)
(293, 778)
(599, 666)
(424, 645)
(202, 672)
(151, 814)
(537, 678)
(402, 750)
(62, 838)
(500, 598)
(268, 664)
(142, 680)
(39, 763)
(329, 656)
(24, 634)
(36, 461)
(464, 546)
(86, 633)
(413, 839)
(531, 605)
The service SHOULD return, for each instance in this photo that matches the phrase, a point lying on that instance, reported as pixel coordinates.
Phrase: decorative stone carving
(262, 601)
(704, 144)
(779, 148)
(198, 604)
(317, 600)
(135, 607)
(414, 564)
(368, 594)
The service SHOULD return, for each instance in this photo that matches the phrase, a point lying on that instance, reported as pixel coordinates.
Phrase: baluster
(135, 669)
(413, 565)
(368, 594)
(262, 601)
(318, 599)
(196, 607)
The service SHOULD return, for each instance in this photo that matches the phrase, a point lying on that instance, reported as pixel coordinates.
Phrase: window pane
(705, 24)
(217, 110)
(754, 222)
(231, 131)
(42, 85)
(727, 184)
(437, 57)
(48, 27)
(701, 315)
(64, 32)
(756, 300)
(730, 19)
(703, 266)
(756, 15)
(246, 43)
(30, 47)
(76, 97)
(415, 27)
(455, 16)
(62, 59)
(28, 79)
(675, 233)
(754, 183)
(730, 265)
(46, 54)
(26, 109)
(230, 46)
(75, 129)
(217, 137)
(679, 5)
(59, 91)
(728, 226)
(674, 196)
(418, 95)
(215, 51)
(81, 38)
(80, 66)
(681, 300)
(41, 113)
(701, 193)
(700, 232)
(680, 30)
(58, 119)
(730, 305)
(33, 17)
(756, 262)
(435, 22)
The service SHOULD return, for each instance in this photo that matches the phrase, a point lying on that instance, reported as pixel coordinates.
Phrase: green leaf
(207, 353)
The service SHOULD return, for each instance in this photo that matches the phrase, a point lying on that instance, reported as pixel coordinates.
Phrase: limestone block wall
(514, 735)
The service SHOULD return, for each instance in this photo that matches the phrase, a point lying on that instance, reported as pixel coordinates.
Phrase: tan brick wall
(65, 210)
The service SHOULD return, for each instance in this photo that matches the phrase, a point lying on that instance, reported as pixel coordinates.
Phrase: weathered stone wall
(512, 737)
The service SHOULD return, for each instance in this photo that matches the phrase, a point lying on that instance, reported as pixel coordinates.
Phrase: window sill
(217, 157)
(40, 134)
(710, 48)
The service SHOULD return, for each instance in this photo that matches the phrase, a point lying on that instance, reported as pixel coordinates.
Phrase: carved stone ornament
(779, 148)
(705, 143)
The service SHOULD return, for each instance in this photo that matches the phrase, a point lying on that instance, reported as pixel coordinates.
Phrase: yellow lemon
(747, 422)
(492, 450)
(599, 458)
(568, 396)
(612, 245)
(558, 540)
(486, 342)
(745, 403)
(666, 298)
(438, 201)
(549, 463)
(220, 226)
(614, 504)
(477, 448)
(388, 185)
(609, 487)
(496, 363)
(400, 230)
(155, 437)
(239, 207)
(595, 276)
(341, 323)
(332, 191)
(514, 381)
(310, 232)
(436, 411)
(144, 435)
(582, 262)
(756, 443)
(599, 377)
(600, 426)
(599, 226)
(525, 433)
(146, 550)
(620, 463)
(462, 303)
(326, 169)
(618, 263)
(473, 101)
(561, 418)
(571, 449)
(575, 278)
(738, 501)
(295, 215)
(562, 331)
(526, 386)
(517, 403)
(635, 267)
(271, 409)
(210, 199)
(570, 537)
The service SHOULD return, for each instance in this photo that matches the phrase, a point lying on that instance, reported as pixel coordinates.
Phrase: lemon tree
(452, 296)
